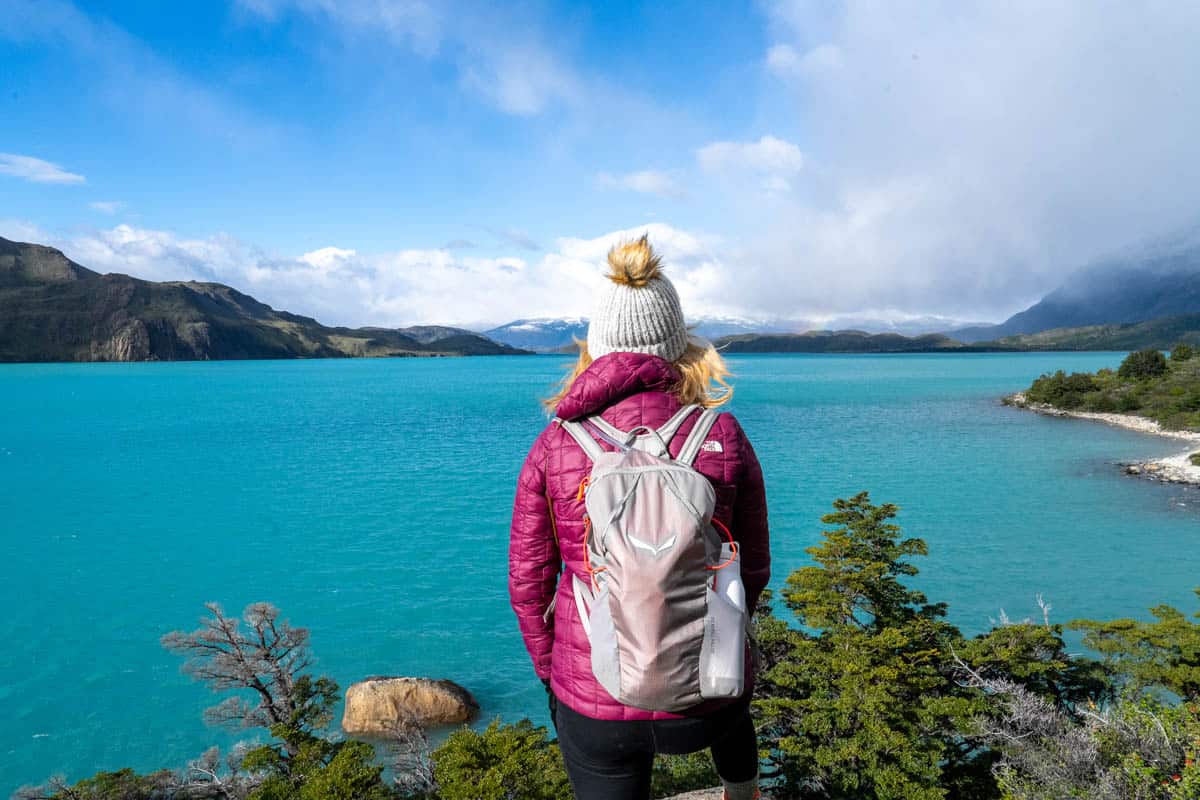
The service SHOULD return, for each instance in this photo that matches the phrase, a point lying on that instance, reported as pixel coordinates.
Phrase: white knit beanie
(639, 311)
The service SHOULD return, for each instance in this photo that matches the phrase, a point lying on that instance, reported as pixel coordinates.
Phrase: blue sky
(398, 161)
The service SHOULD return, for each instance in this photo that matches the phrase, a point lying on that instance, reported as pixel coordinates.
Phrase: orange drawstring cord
(732, 555)
(587, 562)
(732, 546)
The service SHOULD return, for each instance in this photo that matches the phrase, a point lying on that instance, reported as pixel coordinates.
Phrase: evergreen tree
(1143, 364)
(866, 699)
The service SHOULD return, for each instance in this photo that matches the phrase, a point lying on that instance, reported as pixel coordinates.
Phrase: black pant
(612, 759)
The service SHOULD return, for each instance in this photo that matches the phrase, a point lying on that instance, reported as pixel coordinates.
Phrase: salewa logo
(656, 551)
(712, 447)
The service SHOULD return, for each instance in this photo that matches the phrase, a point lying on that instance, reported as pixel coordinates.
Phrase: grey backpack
(663, 607)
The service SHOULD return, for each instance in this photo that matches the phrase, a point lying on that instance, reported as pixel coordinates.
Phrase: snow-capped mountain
(543, 335)
(549, 334)
(906, 326)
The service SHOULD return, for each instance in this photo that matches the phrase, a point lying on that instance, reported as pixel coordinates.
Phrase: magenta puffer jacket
(627, 389)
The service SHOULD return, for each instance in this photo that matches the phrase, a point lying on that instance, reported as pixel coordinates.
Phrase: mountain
(554, 334)
(53, 309)
(905, 326)
(1134, 287)
(541, 335)
(1158, 334)
(836, 342)
(1161, 334)
(549, 334)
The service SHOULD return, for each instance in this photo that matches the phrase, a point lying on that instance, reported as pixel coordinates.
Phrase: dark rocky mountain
(1158, 334)
(52, 309)
(1147, 285)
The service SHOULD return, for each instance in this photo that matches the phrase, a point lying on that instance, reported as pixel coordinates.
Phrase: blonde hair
(702, 377)
(634, 263)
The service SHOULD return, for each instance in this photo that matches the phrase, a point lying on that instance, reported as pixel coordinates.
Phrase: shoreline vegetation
(1149, 393)
(865, 691)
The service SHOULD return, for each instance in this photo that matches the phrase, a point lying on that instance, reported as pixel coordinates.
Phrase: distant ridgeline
(52, 309)
(1158, 333)
(1148, 384)
(839, 342)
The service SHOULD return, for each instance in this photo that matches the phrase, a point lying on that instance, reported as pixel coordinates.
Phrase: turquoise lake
(369, 499)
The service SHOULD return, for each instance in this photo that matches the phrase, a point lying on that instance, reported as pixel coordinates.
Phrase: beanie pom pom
(634, 263)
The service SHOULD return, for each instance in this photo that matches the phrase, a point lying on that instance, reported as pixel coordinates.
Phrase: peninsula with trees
(1150, 393)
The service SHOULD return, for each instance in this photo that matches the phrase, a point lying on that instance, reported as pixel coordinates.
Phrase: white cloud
(18, 230)
(36, 170)
(959, 164)
(327, 259)
(106, 206)
(768, 155)
(784, 59)
(788, 62)
(343, 286)
(521, 80)
(646, 181)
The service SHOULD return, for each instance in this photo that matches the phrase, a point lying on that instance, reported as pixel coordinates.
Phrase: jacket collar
(614, 377)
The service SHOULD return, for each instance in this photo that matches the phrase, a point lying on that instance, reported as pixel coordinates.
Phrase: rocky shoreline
(1169, 469)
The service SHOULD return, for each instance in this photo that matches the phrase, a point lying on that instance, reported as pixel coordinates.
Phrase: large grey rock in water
(376, 705)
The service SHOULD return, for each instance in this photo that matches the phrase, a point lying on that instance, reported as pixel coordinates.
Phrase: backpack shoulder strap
(691, 445)
(623, 439)
(584, 439)
(607, 427)
(669, 428)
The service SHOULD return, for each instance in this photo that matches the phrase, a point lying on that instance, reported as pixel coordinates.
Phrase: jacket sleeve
(750, 521)
(533, 559)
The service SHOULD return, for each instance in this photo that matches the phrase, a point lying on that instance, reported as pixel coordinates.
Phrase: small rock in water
(378, 704)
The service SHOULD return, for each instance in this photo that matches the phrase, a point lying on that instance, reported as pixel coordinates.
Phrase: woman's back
(646, 368)
(627, 390)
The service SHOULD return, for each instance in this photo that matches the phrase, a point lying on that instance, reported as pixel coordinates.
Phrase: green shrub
(678, 774)
(1182, 352)
(322, 770)
(1162, 654)
(1143, 364)
(1195, 459)
(503, 762)
(124, 784)
(1062, 390)
(1129, 401)
(1188, 401)
(1176, 421)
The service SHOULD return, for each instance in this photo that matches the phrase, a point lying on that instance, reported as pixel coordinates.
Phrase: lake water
(369, 499)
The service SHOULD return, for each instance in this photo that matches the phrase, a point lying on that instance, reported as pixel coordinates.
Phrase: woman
(638, 368)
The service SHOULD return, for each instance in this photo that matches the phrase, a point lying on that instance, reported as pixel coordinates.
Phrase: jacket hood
(613, 377)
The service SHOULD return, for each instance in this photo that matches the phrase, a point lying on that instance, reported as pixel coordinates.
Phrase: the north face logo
(712, 447)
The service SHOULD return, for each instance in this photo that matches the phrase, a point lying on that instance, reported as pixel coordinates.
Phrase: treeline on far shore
(865, 691)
